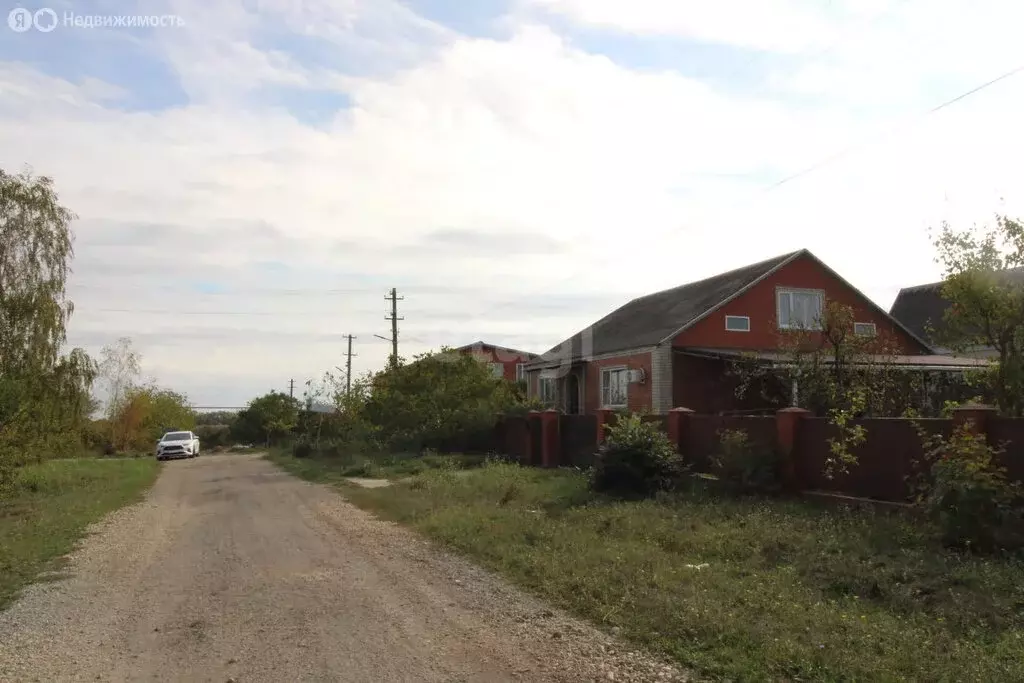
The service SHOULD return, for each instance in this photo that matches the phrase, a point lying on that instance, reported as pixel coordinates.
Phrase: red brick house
(504, 362)
(673, 348)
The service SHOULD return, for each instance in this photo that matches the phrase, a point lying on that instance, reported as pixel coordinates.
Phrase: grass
(52, 504)
(337, 468)
(738, 589)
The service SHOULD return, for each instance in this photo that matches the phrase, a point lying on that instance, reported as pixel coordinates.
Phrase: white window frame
(737, 317)
(864, 326)
(815, 324)
(497, 370)
(553, 383)
(625, 399)
(520, 372)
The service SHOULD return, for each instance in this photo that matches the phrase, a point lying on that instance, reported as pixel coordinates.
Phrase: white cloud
(632, 180)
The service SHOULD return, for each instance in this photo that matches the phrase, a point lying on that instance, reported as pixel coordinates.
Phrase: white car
(177, 445)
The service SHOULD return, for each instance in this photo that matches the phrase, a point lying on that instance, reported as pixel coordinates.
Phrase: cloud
(514, 187)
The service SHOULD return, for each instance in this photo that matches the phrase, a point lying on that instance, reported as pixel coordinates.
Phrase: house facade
(504, 362)
(673, 348)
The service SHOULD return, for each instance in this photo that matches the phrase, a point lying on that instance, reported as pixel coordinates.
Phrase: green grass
(337, 468)
(791, 591)
(52, 504)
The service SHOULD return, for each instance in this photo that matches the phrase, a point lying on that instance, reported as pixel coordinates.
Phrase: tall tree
(120, 366)
(267, 418)
(986, 291)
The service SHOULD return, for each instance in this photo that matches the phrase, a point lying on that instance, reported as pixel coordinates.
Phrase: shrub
(637, 458)
(302, 449)
(968, 493)
(742, 466)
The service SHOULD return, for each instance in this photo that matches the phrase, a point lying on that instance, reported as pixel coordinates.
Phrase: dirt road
(233, 570)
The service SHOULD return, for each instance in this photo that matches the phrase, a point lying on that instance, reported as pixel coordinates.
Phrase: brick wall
(639, 394)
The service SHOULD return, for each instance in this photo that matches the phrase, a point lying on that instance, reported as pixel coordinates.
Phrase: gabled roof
(657, 318)
(485, 345)
(921, 308)
(651, 319)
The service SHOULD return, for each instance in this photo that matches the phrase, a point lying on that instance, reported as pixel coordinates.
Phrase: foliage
(145, 414)
(636, 458)
(120, 366)
(44, 396)
(438, 396)
(968, 494)
(212, 435)
(216, 418)
(987, 302)
(743, 466)
(267, 419)
(740, 589)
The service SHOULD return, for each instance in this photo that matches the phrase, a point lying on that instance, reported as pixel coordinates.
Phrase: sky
(251, 177)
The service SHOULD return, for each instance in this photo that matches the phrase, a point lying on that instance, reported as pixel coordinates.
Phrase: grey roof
(922, 308)
(485, 345)
(928, 361)
(651, 319)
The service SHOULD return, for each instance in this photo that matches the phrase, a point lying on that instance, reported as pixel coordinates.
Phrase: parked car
(177, 445)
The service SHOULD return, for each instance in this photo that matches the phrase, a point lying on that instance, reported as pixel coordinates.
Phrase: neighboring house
(503, 361)
(674, 348)
(922, 309)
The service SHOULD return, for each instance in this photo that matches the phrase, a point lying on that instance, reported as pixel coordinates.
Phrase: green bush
(742, 466)
(302, 449)
(969, 495)
(636, 459)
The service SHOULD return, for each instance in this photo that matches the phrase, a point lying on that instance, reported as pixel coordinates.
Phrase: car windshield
(177, 436)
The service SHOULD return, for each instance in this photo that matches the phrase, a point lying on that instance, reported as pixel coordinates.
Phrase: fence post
(678, 423)
(974, 416)
(533, 426)
(787, 426)
(604, 417)
(551, 441)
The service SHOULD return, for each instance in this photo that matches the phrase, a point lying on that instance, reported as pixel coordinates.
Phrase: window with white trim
(800, 309)
(497, 370)
(520, 372)
(864, 329)
(737, 323)
(548, 391)
(614, 387)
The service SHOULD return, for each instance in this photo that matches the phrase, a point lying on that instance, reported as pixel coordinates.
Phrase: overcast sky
(251, 179)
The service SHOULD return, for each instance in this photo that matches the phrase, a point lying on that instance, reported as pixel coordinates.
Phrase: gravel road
(231, 570)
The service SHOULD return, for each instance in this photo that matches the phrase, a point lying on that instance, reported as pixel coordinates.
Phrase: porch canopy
(922, 362)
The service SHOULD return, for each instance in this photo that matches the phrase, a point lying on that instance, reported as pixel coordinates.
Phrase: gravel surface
(231, 570)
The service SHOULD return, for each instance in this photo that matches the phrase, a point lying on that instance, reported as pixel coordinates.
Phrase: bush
(742, 466)
(302, 450)
(969, 495)
(636, 459)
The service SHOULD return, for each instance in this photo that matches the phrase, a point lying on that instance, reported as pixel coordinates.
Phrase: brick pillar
(551, 439)
(678, 423)
(787, 425)
(533, 425)
(975, 416)
(604, 416)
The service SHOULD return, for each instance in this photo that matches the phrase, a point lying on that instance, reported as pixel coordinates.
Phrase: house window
(497, 370)
(800, 309)
(548, 391)
(520, 372)
(614, 387)
(864, 329)
(737, 323)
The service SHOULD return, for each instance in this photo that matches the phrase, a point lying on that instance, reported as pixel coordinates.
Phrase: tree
(146, 412)
(267, 419)
(986, 293)
(120, 366)
(434, 398)
(42, 394)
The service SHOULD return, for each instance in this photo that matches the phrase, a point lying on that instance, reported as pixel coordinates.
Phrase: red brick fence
(885, 460)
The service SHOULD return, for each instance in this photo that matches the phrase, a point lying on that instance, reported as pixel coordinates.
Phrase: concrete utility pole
(394, 299)
(348, 365)
(291, 388)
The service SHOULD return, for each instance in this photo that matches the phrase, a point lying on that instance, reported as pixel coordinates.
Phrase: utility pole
(394, 299)
(348, 365)
(291, 388)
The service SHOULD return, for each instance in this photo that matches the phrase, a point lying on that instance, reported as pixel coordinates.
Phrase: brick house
(504, 362)
(673, 348)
